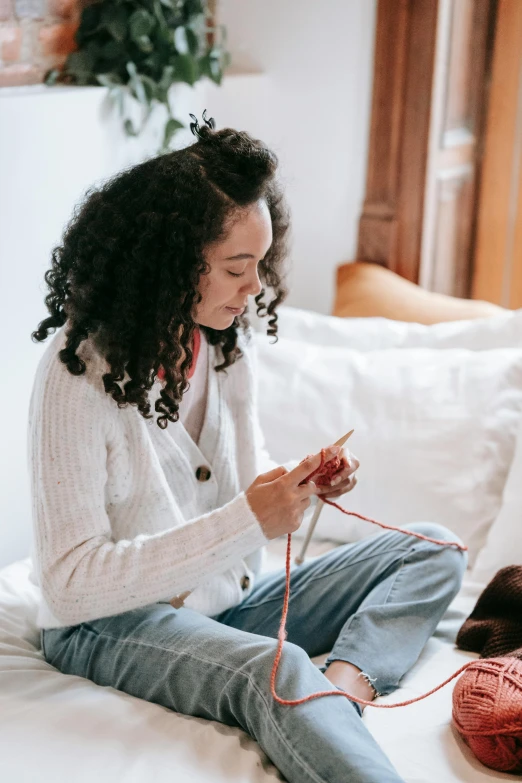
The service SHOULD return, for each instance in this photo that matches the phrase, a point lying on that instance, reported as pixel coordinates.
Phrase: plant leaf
(118, 96)
(90, 20)
(170, 129)
(211, 66)
(138, 90)
(114, 19)
(129, 128)
(181, 40)
(80, 61)
(193, 7)
(150, 87)
(192, 40)
(112, 50)
(140, 23)
(139, 48)
(167, 77)
(131, 68)
(51, 77)
(144, 43)
(185, 68)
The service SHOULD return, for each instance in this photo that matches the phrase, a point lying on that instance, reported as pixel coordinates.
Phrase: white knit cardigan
(120, 519)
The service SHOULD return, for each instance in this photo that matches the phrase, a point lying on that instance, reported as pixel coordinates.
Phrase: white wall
(311, 103)
(314, 111)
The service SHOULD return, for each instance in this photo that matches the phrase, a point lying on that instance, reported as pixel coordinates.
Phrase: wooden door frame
(498, 253)
(391, 219)
(391, 222)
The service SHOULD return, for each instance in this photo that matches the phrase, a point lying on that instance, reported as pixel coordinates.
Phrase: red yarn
(324, 472)
(487, 710)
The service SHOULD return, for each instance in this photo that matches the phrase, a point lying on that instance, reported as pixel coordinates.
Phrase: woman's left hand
(345, 480)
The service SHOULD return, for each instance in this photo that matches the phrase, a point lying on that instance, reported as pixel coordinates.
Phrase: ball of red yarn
(487, 711)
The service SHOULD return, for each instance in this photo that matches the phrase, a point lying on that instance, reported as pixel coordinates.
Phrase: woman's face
(233, 267)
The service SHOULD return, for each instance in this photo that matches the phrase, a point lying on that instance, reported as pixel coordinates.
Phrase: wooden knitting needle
(319, 507)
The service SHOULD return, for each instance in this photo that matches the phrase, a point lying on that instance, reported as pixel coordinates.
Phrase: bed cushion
(503, 546)
(435, 431)
(375, 334)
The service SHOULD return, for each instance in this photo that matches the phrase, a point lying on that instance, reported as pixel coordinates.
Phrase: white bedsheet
(55, 728)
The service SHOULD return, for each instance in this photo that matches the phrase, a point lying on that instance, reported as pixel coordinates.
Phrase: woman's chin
(222, 320)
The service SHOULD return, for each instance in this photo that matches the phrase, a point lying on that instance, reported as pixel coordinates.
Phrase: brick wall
(35, 35)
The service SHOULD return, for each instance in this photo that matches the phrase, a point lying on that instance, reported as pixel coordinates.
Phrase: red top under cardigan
(195, 352)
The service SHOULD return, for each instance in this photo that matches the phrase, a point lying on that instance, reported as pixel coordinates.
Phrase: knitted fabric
(494, 627)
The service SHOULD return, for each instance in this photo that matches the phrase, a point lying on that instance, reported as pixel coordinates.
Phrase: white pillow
(373, 334)
(434, 430)
(503, 546)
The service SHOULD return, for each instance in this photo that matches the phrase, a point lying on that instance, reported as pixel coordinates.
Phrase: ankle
(351, 679)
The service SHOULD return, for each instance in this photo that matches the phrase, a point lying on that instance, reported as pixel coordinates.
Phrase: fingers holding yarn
(338, 488)
(308, 467)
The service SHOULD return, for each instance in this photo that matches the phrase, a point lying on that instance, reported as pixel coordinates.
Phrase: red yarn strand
(325, 472)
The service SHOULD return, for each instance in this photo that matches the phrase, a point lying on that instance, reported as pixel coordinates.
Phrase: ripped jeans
(374, 603)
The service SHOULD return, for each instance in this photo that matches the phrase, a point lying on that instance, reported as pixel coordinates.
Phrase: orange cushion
(365, 290)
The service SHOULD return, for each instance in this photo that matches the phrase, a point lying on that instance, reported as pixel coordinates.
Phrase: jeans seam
(330, 660)
(230, 669)
(312, 580)
(395, 580)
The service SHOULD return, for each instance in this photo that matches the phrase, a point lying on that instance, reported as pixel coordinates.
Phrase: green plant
(139, 49)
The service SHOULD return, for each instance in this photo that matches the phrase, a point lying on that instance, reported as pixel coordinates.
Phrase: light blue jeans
(373, 603)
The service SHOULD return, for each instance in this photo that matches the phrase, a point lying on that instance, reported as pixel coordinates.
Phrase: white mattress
(55, 728)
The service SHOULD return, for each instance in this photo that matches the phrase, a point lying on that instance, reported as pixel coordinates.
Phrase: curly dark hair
(128, 267)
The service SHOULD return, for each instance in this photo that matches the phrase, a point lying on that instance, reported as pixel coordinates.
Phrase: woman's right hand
(278, 501)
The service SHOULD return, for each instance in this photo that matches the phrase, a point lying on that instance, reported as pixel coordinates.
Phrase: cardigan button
(245, 582)
(203, 473)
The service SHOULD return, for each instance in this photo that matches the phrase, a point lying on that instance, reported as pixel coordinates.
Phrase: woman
(149, 531)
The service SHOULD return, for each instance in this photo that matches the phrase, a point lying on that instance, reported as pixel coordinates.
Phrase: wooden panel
(431, 77)
(463, 56)
(472, 23)
(452, 236)
(498, 258)
(390, 224)
(515, 294)
(458, 101)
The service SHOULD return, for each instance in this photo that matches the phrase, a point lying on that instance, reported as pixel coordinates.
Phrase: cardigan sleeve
(82, 571)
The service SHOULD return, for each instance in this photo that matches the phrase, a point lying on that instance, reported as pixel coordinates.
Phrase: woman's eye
(236, 275)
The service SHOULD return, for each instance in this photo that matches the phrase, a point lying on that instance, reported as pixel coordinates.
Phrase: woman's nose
(255, 286)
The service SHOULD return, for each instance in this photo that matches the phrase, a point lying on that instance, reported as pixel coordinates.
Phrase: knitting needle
(319, 507)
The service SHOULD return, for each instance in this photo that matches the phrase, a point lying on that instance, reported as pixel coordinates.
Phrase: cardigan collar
(203, 452)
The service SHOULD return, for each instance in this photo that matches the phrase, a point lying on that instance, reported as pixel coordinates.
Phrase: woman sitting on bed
(153, 495)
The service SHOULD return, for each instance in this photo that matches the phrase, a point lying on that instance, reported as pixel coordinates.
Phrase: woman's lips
(235, 310)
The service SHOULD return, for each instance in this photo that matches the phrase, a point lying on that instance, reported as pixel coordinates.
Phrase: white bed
(464, 471)
(56, 727)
